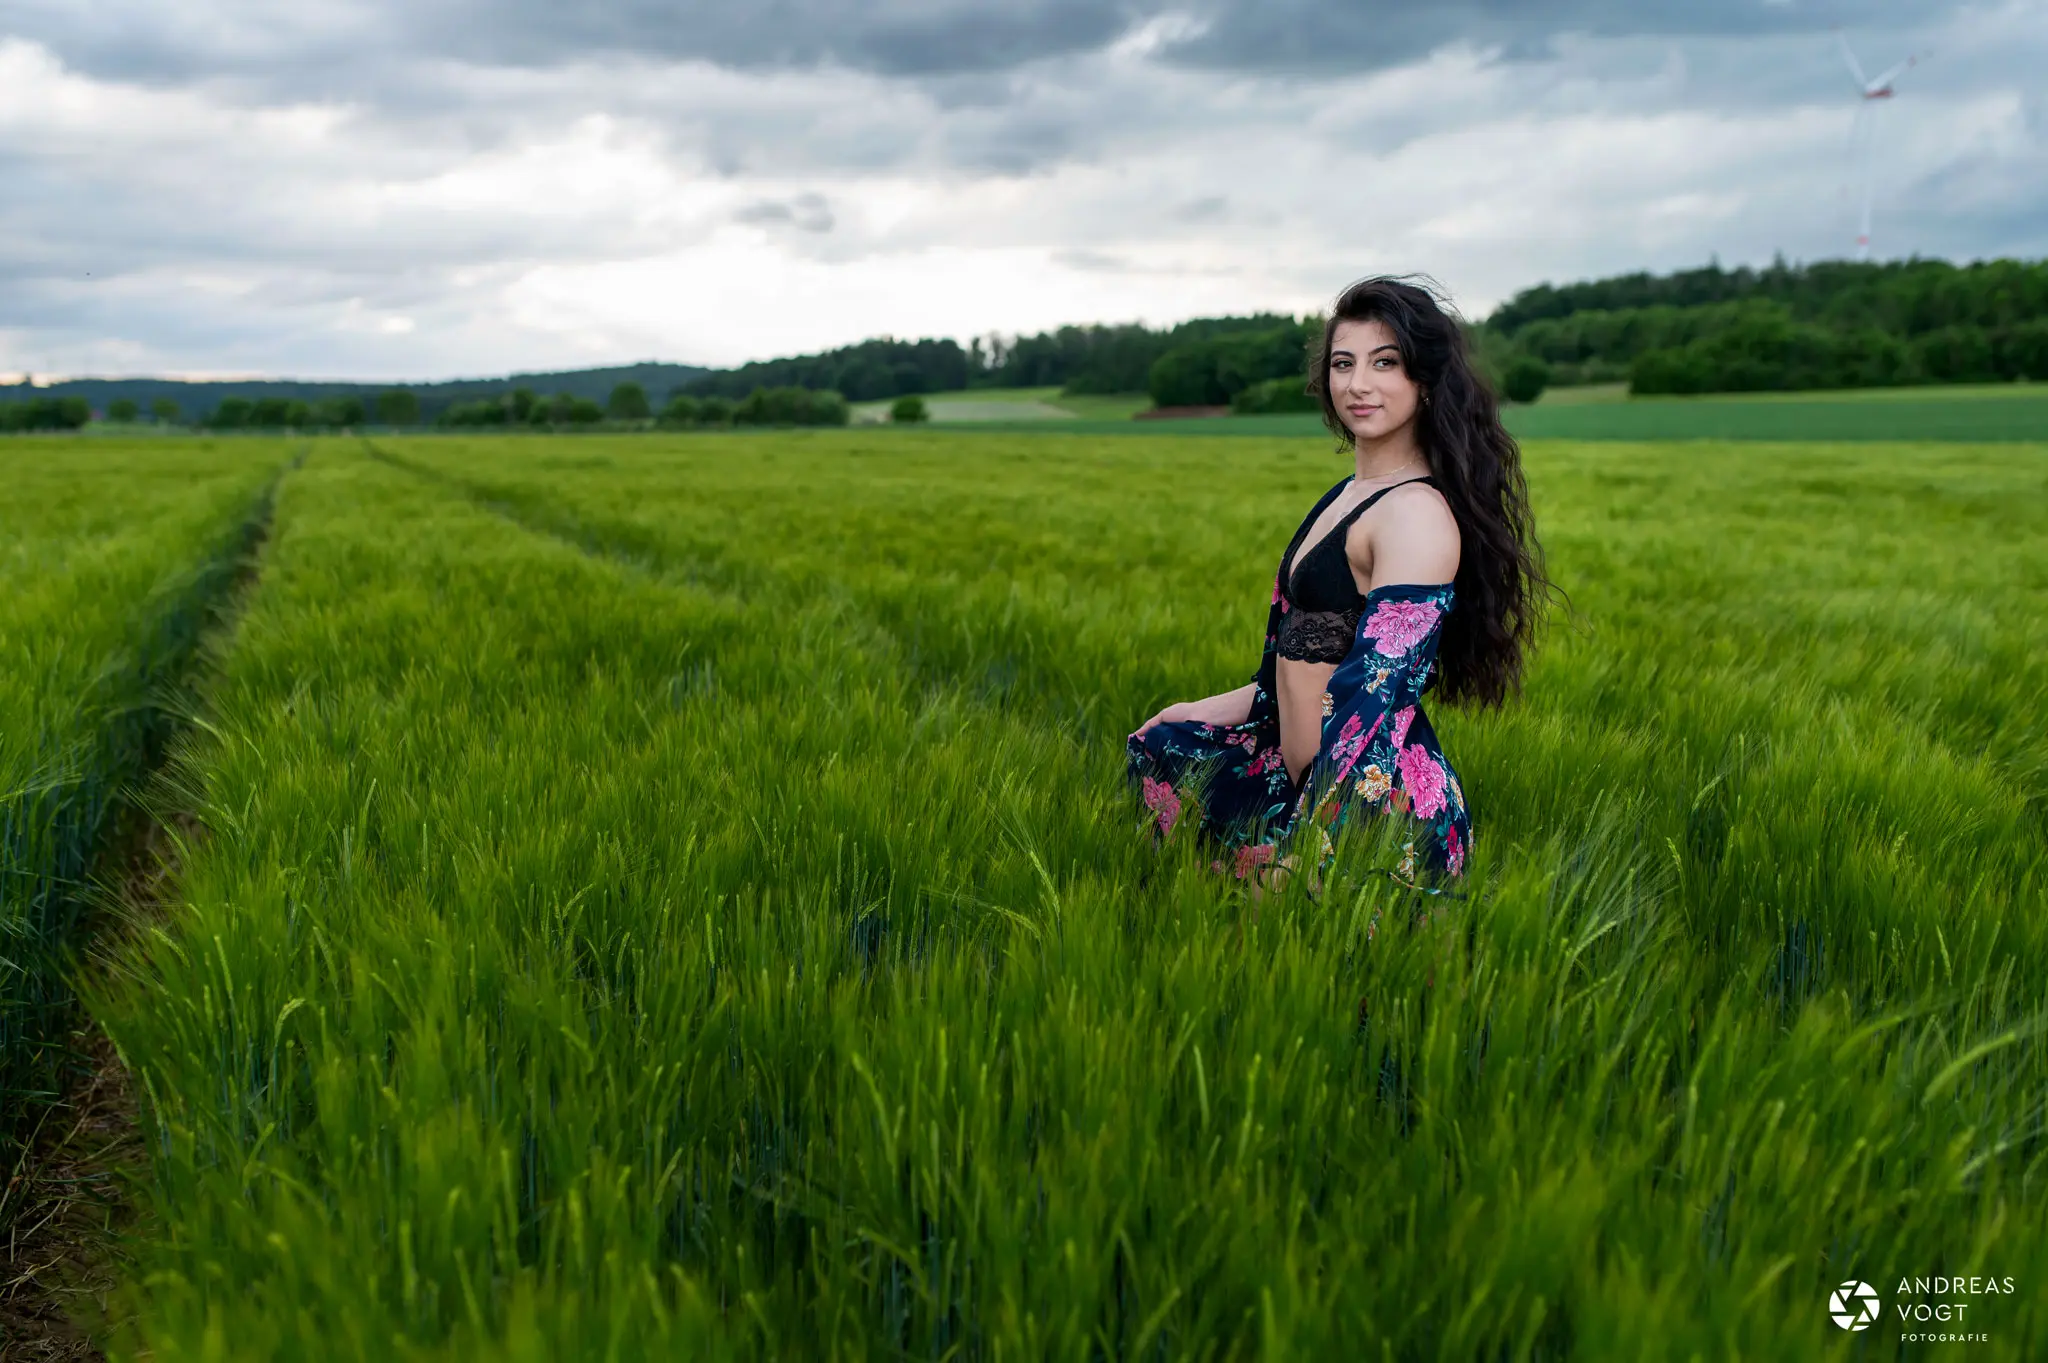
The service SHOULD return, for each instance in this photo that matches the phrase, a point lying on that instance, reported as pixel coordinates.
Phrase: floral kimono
(1378, 753)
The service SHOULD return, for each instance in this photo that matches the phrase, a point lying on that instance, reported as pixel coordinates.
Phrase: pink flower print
(1345, 753)
(1248, 741)
(1424, 780)
(1455, 858)
(1397, 626)
(1402, 719)
(1249, 857)
(1276, 589)
(1162, 799)
(1269, 760)
(1373, 783)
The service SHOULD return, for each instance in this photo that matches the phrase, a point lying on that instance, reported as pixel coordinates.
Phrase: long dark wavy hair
(1501, 587)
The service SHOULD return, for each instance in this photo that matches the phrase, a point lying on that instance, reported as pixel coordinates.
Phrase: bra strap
(1429, 478)
(1366, 505)
(1301, 531)
(1293, 550)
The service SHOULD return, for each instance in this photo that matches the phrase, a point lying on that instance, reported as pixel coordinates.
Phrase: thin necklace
(1396, 469)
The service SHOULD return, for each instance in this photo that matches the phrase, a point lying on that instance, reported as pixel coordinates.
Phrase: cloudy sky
(432, 188)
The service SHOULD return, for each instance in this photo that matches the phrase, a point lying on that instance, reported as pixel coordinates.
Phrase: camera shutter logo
(1853, 1305)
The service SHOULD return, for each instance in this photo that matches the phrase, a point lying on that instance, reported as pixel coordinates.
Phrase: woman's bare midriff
(1299, 686)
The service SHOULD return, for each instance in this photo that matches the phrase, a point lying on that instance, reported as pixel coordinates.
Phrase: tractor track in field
(61, 1261)
(1000, 678)
(652, 560)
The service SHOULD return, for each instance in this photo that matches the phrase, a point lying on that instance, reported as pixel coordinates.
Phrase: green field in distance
(1982, 412)
(675, 896)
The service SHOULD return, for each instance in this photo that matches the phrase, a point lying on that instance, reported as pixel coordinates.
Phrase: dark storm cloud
(893, 37)
(916, 38)
(326, 44)
(381, 186)
(1333, 37)
(1011, 89)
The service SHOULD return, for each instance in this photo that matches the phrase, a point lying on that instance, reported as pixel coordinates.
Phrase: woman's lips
(1362, 411)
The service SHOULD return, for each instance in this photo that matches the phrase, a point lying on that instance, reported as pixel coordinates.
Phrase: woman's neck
(1392, 454)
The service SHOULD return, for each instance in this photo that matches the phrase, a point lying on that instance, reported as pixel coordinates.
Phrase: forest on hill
(1830, 324)
(272, 403)
(1091, 359)
(1827, 324)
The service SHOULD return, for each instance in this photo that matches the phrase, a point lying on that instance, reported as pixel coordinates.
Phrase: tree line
(1831, 324)
(1828, 324)
(44, 414)
(628, 405)
(1078, 359)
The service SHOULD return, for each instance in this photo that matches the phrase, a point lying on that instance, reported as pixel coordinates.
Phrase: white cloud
(453, 217)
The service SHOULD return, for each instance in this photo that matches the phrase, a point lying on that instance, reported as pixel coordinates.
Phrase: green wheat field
(663, 897)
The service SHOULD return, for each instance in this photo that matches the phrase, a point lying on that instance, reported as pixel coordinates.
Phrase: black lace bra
(1323, 600)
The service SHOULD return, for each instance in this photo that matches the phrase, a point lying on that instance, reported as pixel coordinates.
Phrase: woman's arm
(1225, 708)
(1417, 542)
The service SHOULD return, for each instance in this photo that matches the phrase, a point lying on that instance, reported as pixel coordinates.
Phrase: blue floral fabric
(1378, 755)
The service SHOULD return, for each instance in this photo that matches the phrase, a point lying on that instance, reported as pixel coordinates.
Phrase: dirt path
(73, 1186)
(72, 1197)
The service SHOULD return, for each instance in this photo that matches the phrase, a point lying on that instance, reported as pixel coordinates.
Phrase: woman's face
(1368, 384)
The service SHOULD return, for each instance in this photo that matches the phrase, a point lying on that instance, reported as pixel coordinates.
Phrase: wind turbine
(1863, 135)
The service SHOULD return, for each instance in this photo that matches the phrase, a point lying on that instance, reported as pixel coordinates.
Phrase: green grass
(112, 558)
(1949, 392)
(1104, 406)
(1918, 393)
(1584, 393)
(675, 897)
(1028, 404)
(2021, 416)
(2016, 414)
(1958, 412)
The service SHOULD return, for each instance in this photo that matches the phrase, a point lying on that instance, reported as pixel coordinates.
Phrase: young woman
(1421, 567)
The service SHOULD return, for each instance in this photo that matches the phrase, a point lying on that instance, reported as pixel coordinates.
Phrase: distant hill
(1094, 359)
(195, 399)
(1828, 324)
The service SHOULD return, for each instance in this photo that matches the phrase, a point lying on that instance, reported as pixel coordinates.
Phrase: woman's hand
(1232, 707)
(1178, 712)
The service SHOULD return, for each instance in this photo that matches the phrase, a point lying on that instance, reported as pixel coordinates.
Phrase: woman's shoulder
(1420, 506)
(1418, 492)
(1414, 535)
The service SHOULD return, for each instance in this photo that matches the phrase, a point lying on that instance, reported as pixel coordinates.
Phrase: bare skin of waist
(1298, 691)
